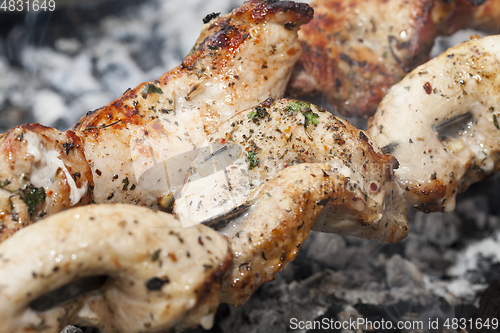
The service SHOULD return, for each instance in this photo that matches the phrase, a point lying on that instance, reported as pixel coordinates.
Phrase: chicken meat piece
(272, 172)
(42, 171)
(160, 276)
(485, 18)
(354, 51)
(441, 122)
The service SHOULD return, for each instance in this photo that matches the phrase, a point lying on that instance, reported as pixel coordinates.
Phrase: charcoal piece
(325, 248)
(403, 273)
(440, 229)
(474, 211)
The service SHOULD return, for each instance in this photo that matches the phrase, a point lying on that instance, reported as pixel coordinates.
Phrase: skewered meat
(484, 18)
(355, 50)
(281, 166)
(270, 234)
(160, 275)
(441, 122)
(240, 59)
(278, 134)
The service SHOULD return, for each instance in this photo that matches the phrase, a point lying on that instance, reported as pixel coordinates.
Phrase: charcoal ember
(69, 46)
(494, 222)
(116, 68)
(466, 311)
(494, 194)
(432, 236)
(349, 314)
(478, 256)
(14, 108)
(148, 56)
(393, 312)
(489, 190)
(405, 282)
(335, 312)
(366, 285)
(7, 75)
(45, 100)
(493, 273)
(441, 310)
(13, 115)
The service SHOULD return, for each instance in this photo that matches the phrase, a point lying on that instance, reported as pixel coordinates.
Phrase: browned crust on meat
(481, 15)
(429, 196)
(282, 245)
(227, 33)
(82, 172)
(272, 251)
(354, 67)
(215, 279)
(291, 13)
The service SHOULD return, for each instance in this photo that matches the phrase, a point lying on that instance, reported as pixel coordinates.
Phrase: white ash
(468, 259)
(48, 100)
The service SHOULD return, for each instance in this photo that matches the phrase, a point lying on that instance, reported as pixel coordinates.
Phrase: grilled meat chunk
(160, 275)
(485, 18)
(273, 172)
(42, 171)
(441, 122)
(354, 51)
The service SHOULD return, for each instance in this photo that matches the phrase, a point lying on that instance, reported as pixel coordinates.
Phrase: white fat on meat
(46, 165)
